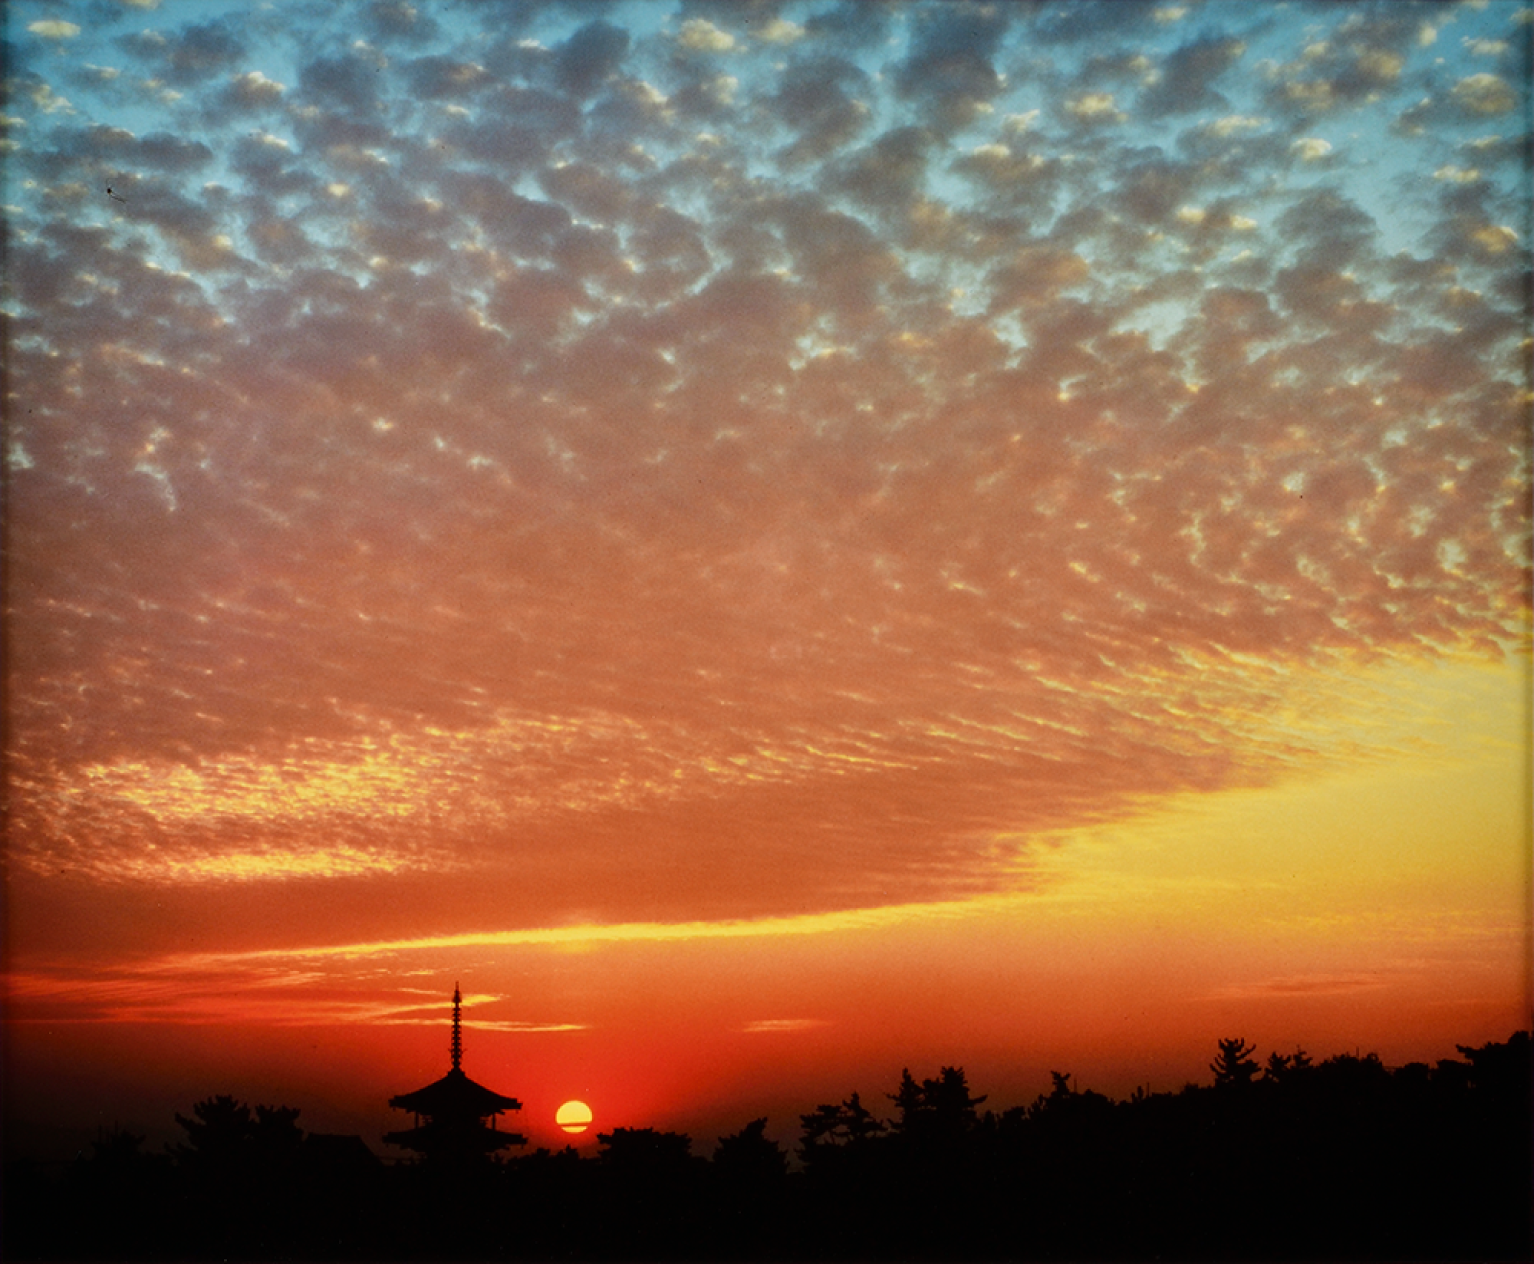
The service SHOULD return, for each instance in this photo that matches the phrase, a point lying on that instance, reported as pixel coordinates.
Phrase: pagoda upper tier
(455, 1094)
(451, 1112)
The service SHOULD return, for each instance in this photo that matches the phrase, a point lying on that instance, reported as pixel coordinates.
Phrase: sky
(769, 542)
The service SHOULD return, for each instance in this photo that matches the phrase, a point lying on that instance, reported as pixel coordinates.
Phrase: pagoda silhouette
(450, 1114)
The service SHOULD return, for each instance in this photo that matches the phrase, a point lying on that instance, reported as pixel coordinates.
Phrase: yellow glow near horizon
(617, 933)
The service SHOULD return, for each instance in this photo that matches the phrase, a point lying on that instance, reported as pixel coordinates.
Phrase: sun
(573, 1116)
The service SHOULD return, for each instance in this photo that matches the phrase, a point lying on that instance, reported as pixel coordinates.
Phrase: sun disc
(573, 1116)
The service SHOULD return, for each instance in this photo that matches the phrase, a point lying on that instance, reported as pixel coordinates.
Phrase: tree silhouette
(275, 1136)
(1284, 1067)
(948, 1099)
(830, 1128)
(120, 1183)
(1234, 1064)
(650, 1190)
(218, 1133)
(644, 1148)
(1500, 1069)
(936, 1114)
(1343, 1158)
(750, 1179)
(819, 1131)
(748, 1156)
(858, 1124)
(1072, 1120)
(244, 1175)
(909, 1102)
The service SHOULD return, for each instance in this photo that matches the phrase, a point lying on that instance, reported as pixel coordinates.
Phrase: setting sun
(573, 1116)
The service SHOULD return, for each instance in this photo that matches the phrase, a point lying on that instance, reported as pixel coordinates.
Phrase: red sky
(770, 542)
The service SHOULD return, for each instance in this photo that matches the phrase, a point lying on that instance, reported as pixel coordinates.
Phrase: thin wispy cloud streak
(676, 464)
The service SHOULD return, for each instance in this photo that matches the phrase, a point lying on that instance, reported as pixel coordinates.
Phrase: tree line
(1284, 1159)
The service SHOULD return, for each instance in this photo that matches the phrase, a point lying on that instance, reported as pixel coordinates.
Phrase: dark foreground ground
(1341, 1159)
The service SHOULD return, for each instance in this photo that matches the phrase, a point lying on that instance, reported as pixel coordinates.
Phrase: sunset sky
(770, 542)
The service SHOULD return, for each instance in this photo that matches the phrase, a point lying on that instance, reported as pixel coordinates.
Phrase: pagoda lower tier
(439, 1138)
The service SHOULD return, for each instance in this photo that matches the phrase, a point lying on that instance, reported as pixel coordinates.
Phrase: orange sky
(771, 543)
(1381, 904)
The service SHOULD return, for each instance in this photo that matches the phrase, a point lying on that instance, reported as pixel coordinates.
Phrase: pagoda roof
(455, 1094)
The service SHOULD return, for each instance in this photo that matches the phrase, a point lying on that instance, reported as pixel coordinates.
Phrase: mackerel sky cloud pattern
(684, 461)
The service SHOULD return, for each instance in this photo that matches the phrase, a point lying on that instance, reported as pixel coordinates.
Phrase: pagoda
(450, 1114)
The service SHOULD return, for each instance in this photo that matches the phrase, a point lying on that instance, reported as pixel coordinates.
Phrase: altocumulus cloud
(730, 464)
(53, 29)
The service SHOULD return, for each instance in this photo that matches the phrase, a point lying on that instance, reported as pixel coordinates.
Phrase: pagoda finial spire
(457, 1046)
